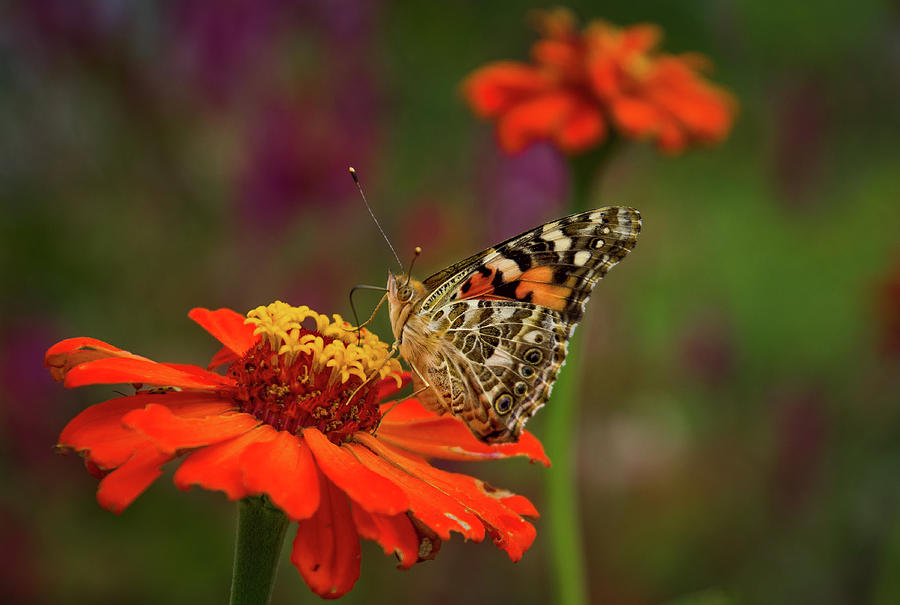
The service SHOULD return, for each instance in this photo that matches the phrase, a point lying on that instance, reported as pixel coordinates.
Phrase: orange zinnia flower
(582, 83)
(298, 418)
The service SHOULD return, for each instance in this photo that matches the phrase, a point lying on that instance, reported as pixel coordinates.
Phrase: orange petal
(219, 466)
(387, 387)
(636, 117)
(66, 354)
(373, 492)
(170, 432)
(671, 138)
(131, 369)
(411, 409)
(535, 119)
(584, 128)
(642, 37)
(227, 327)
(284, 469)
(508, 530)
(222, 357)
(447, 437)
(394, 533)
(119, 488)
(431, 506)
(561, 56)
(326, 549)
(521, 505)
(496, 87)
(99, 431)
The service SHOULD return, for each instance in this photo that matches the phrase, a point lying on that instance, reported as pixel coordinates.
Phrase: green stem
(257, 549)
(567, 545)
(564, 518)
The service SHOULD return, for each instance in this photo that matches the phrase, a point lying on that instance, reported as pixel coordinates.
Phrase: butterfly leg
(396, 403)
(391, 352)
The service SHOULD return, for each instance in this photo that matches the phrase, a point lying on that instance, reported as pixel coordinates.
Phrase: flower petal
(98, 430)
(395, 534)
(448, 438)
(388, 387)
(227, 327)
(66, 354)
(284, 469)
(537, 118)
(219, 466)
(508, 530)
(583, 128)
(636, 117)
(119, 488)
(222, 357)
(326, 549)
(371, 491)
(498, 86)
(144, 371)
(170, 432)
(431, 506)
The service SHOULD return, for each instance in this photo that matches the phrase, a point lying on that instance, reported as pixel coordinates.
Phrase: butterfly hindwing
(497, 363)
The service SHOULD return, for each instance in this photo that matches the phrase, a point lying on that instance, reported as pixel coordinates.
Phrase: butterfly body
(488, 335)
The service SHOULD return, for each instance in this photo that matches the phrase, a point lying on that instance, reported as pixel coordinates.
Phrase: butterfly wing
(501, 319)
(496, 363)
(553, 266)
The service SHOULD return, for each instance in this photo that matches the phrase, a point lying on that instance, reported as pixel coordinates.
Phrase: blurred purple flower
(218, 47)
(801, 123)
(30, 417)
(18, 562)
(800, 430)
(707, 349)
(523, 190)
(56, 29)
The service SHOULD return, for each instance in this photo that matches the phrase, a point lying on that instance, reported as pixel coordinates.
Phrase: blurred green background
(740, 424)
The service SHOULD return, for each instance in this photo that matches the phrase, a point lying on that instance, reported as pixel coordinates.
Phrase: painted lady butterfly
(486, 337)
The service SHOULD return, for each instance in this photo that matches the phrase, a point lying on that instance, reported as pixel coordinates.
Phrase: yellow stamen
(347, 353)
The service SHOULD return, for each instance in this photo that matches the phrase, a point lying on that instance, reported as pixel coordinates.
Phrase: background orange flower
(583, 83)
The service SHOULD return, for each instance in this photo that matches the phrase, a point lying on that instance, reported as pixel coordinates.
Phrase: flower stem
(257, 549)
(567, 544)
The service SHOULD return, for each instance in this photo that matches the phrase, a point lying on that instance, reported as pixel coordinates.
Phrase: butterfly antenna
(372, 214)
(416, 253)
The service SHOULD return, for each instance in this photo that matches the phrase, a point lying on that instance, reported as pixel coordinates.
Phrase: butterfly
(486, 337)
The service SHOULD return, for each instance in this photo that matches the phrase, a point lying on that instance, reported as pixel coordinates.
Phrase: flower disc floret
(311, 371)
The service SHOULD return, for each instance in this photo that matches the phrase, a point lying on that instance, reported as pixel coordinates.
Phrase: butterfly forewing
(490, 333)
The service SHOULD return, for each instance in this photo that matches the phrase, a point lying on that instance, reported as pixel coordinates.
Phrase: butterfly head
(403, 295)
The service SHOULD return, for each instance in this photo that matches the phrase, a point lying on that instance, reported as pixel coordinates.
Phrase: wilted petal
(394, 533)
(431, 506)
(66, 354)
(509, 531)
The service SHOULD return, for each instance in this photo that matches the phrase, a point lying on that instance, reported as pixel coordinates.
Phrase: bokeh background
(739, 434)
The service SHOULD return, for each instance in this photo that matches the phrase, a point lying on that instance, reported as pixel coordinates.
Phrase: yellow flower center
(309, 370)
